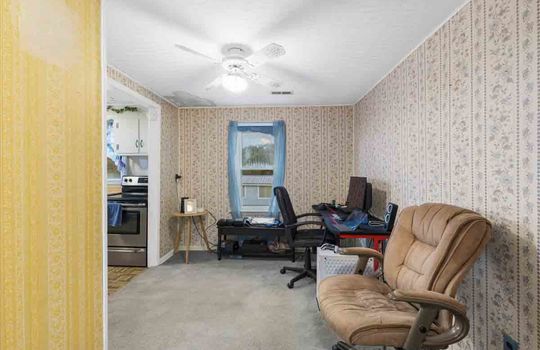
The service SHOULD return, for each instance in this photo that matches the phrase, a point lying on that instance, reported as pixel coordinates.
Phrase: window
(265, 192)
(113, 175)
(257, 165)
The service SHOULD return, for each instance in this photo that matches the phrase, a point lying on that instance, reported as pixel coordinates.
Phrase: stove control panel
(135, 181)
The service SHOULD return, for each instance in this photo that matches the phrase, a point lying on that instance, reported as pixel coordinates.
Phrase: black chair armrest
(308, 214)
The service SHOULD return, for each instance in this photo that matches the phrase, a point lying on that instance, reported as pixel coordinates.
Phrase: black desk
(253, 231)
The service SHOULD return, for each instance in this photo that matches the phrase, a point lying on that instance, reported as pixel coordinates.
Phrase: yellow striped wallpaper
(50, 171)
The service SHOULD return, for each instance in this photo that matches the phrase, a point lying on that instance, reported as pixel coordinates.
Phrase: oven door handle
(137, 205)
(126, 250)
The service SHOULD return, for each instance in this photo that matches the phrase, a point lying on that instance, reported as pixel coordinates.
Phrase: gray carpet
(226, 305)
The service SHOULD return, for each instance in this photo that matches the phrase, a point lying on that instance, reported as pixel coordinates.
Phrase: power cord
(177, 180)
(206, 229)
(213, 217)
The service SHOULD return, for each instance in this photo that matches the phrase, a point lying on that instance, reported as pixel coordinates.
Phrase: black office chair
(307, 238)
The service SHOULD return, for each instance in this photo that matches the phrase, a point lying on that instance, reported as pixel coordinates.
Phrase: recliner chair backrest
(432, 247)
(285, 205)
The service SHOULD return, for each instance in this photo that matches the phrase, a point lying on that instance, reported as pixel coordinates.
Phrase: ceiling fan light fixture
(234, 83)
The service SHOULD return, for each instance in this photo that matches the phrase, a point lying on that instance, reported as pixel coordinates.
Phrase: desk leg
(188, 240)
(178, 233)
(204, 234)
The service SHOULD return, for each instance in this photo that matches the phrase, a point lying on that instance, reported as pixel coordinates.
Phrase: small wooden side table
(188, 233)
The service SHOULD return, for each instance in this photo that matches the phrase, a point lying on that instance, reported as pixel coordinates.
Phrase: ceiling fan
(239, 63)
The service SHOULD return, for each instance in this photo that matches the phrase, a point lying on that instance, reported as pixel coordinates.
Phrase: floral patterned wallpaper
(457, 122)
(169, 157)
(319, 154)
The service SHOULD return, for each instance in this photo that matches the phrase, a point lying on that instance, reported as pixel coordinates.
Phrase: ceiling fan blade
(265, 54)
(215, 83)
(196, 53)
(263, 80)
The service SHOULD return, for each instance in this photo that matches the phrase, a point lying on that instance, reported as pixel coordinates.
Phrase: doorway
(120, 95)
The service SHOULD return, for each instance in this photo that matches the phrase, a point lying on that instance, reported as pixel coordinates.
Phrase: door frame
(105, 285)
(154, 169)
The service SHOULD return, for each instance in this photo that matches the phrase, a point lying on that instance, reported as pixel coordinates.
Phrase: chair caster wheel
(282, 271)
(290, 285)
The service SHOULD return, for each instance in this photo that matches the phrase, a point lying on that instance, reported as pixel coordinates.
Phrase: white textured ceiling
(336, 49)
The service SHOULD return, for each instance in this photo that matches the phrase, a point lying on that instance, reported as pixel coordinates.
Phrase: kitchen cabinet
(143, 134)
(129, 134)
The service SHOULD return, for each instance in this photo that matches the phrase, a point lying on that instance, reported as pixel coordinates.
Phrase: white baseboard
(166, 257)
(192, 248)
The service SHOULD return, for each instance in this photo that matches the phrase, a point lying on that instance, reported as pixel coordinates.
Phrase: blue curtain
(234, 171)
(279, 161)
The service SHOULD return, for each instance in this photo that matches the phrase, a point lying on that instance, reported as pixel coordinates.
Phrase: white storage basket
(331, 264)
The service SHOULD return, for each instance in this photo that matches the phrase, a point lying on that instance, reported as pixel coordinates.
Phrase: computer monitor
(357, 192)
(368, 197)
(360, 195)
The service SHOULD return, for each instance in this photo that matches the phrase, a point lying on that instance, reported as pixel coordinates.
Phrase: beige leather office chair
(430, 250)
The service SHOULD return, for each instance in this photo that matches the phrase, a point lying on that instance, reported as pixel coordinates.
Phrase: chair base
(306, 271)
(344, 346)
